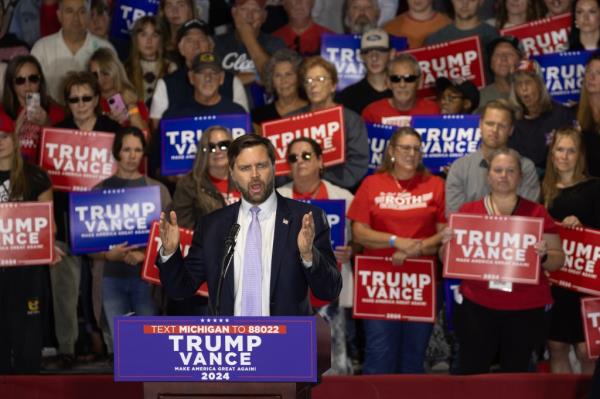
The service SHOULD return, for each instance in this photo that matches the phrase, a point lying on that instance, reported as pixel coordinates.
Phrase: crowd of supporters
(60, 66)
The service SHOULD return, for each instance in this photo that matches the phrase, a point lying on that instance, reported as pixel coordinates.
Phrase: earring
(393, 159)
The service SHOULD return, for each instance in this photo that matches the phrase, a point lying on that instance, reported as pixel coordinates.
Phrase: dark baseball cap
(206, 60)
(193, 24)
(465, 87)
(513, 41)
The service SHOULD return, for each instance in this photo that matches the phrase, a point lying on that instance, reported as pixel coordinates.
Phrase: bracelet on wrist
(133, 111)
(393, 238)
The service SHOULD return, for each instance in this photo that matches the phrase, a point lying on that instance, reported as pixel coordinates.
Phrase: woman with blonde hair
(118, 98)
(573, 199)
(147, 62)
(537, 114)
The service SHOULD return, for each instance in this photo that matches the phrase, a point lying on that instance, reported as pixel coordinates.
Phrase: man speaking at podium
(282, 249)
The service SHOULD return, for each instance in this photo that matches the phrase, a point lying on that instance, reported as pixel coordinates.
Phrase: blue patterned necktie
(252, 288)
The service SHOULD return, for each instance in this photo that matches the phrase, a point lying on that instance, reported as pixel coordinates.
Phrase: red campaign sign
(582, 252)
(386, 292)
(150, 271)
(544, 36)
(456, 60)
(326, 127)
(77, 160)
(590, 311)
(26, 233)
(492, 248)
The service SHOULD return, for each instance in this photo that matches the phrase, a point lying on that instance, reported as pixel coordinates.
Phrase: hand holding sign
(398, 258)
(343, 254)
(306, 237)
(571, 221)
(169, 233)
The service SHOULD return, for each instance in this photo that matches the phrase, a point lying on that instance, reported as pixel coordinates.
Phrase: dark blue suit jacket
(290, 280)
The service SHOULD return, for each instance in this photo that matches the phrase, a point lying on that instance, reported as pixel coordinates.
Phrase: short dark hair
(247, 141)
(80, 78)
(313, 143)
(127, 131)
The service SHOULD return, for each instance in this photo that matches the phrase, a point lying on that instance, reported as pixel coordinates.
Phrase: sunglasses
(85, 99)
(20, 80)
(293, 158)
(405, 78)
(221, 145)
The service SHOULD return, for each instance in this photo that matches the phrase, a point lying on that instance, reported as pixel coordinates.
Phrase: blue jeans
(124, 295)
(395, 346)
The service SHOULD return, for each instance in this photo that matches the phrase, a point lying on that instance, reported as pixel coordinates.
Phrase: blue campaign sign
(343, 51)
(100, 219)
(563, 74)
(242, 349)
(379, 136)
(335, 209)
(180, 137)
(446, 138)
(126, 12)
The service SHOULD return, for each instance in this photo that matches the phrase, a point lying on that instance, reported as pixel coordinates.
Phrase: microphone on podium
(225, 263)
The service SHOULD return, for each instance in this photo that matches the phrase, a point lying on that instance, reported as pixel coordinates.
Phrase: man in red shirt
(404, 77)
(301, 33)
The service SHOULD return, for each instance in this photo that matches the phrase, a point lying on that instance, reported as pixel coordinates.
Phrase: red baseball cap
(7, 125)
(261, 3)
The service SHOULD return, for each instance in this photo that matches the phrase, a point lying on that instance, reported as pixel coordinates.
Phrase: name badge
(505, 286)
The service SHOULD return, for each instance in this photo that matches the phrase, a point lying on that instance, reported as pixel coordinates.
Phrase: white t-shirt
(57, 60)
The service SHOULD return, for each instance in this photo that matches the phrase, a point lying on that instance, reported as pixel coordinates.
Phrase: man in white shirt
(70, 48)
(281, 250)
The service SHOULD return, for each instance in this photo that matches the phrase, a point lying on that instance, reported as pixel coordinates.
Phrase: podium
(251, 389)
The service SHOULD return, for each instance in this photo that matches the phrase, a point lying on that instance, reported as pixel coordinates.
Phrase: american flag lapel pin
(285, 221)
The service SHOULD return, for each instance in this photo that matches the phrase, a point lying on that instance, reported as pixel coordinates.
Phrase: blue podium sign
(240, 349)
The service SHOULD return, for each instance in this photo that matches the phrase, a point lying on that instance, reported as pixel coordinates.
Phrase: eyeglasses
(221, 145)
(317, 79)
(405, 78)
(20, 80)
(85, 99)
(406, 149)
(293, 158)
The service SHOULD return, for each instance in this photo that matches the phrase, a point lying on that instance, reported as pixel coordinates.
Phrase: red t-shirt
(407, 208)
(31, 134)
(308, 43)
(222, 186)
(523, 296)
(381, 111)
(320, 194)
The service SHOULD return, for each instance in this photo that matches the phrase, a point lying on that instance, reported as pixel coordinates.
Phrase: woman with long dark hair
(26, 101)
(585, 25)
(573, 199)
(23, 290)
